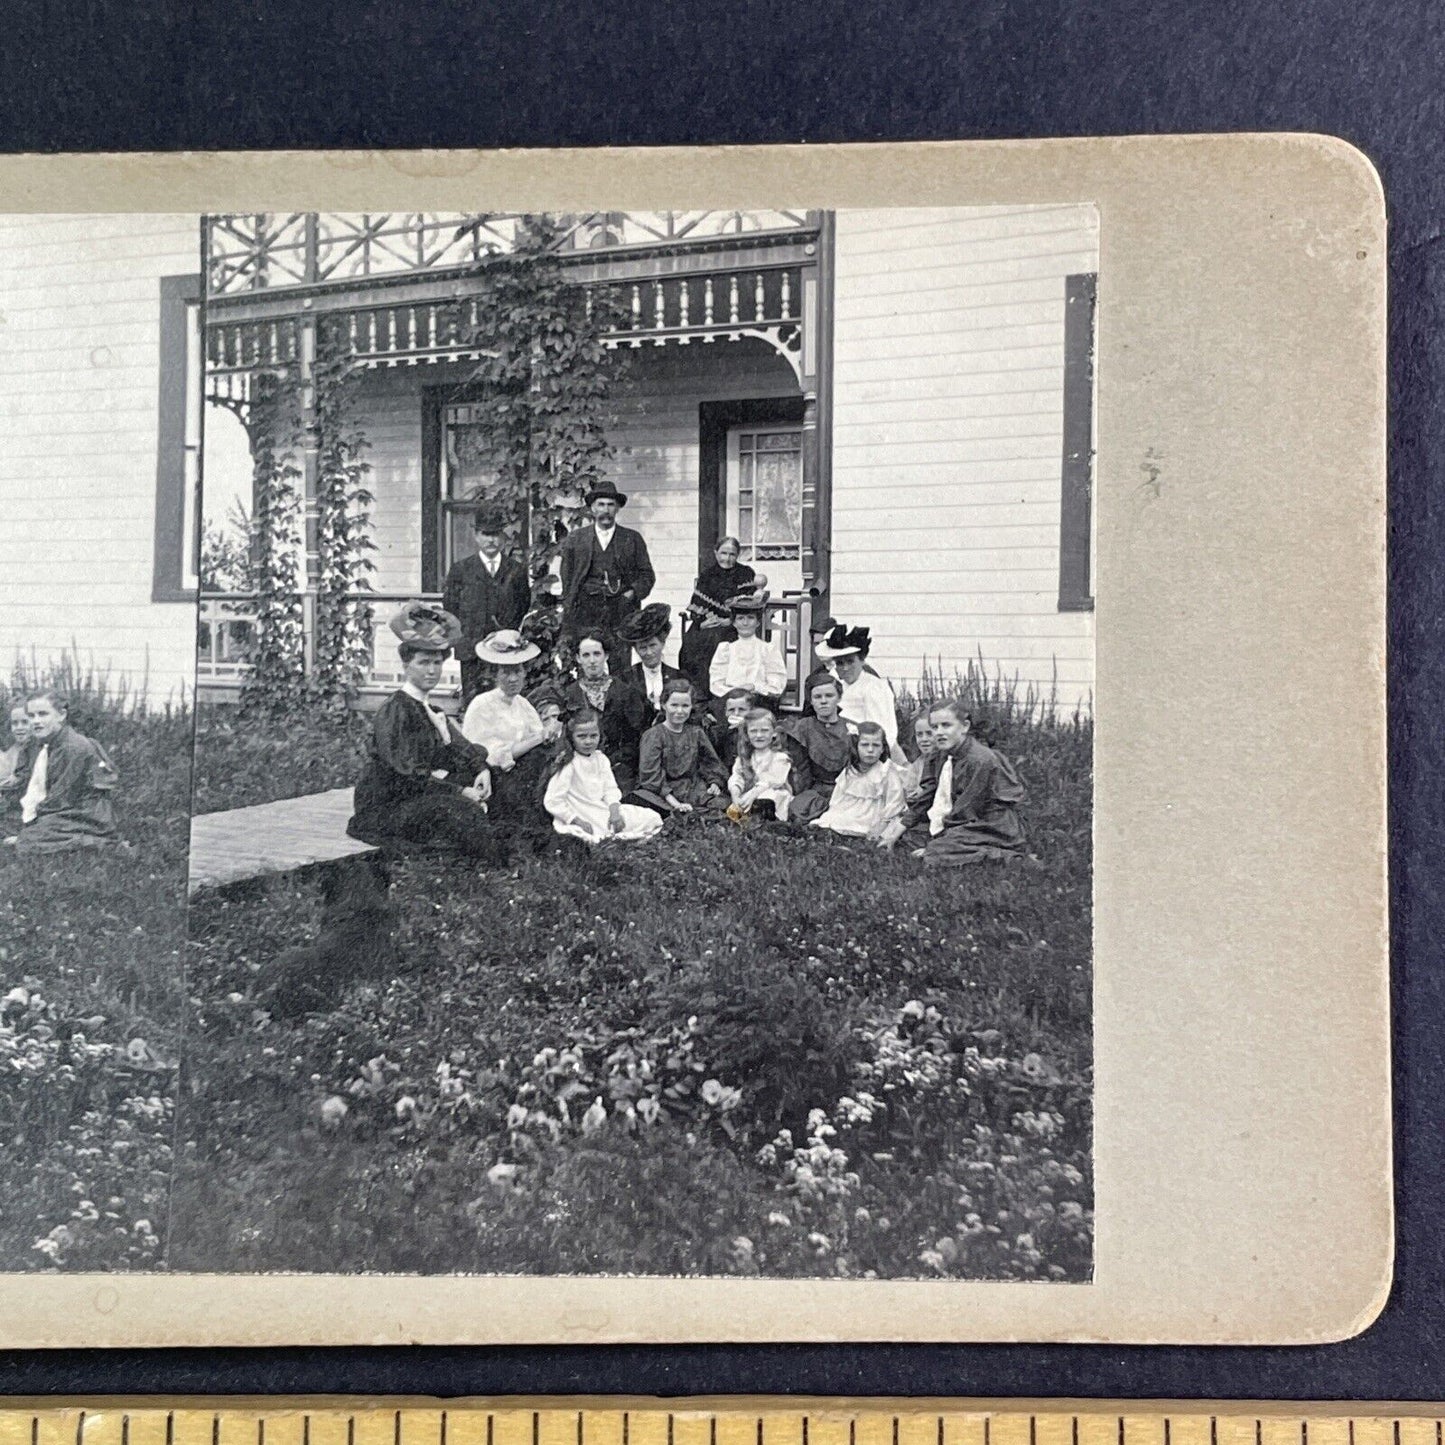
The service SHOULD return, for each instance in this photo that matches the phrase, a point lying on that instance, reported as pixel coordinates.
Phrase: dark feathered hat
(846, 642)
(748, 602)
(654, 620)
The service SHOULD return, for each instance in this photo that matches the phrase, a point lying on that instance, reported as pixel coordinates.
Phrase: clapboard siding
(948, 421)
(79, 374)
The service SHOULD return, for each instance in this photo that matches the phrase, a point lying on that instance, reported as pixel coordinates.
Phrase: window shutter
(177, 445)
(1076, 501)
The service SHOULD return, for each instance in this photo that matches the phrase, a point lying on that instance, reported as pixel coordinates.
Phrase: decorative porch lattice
(266, 251)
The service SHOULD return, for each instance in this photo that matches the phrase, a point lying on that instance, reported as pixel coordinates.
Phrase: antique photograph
(629, 807)
(579, 775)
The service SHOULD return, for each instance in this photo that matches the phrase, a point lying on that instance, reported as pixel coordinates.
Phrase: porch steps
(271, 838)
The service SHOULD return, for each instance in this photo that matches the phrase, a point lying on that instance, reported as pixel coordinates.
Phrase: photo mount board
(1242, 1115)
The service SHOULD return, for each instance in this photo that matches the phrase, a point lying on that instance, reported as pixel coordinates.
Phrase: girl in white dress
(760, 777)
(583, 797)
(869, 793)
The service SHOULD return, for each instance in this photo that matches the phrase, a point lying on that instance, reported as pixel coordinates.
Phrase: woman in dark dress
(708, 617)
(423, 784)
(622, 708)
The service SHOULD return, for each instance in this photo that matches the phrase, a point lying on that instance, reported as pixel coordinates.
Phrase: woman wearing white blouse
(866, 696)
(749, 662)
(508, 726)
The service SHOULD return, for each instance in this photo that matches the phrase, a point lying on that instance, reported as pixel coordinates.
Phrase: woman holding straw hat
(423, 784)
(503, 722)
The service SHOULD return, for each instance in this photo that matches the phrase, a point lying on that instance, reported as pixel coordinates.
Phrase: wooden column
(306, 369)
(817, 383)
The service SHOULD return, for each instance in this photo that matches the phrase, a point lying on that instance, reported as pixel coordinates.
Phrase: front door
(765, 501)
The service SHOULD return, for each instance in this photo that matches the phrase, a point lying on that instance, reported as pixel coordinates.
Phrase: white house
(893, 408)
(88, 561)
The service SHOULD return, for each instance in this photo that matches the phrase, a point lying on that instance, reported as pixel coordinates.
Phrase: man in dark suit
(487, 592)
(646, 633)
(606, 574)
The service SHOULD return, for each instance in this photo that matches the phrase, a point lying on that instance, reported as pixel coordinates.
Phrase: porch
(227, 626)
(718, 319)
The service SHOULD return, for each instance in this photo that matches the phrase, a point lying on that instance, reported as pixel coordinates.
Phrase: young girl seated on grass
(820, 744)
(679, 770)
(967, 808)
(15, 763)
(912, 773)
(759, 781)
(869, 792)
(725, 732)
(582, 795)
(66, 804)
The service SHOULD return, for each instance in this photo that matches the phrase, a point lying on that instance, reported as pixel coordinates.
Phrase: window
(1076, 529)
(459, 469)
(178, 441)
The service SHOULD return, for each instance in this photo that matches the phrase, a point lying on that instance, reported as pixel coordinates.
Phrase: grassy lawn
(90, 1023)
(723, 1051)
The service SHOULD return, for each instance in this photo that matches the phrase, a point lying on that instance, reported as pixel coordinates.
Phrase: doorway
(764, 501)
(750, 485)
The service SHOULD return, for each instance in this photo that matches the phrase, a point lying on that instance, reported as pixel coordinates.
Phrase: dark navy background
(139, 75)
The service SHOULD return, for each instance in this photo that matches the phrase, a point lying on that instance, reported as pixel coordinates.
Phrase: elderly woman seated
(518, 742)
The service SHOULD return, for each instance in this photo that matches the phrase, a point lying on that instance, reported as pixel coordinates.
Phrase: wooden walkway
(271, 838)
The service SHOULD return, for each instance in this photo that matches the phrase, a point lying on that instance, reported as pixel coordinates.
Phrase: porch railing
(228, 621)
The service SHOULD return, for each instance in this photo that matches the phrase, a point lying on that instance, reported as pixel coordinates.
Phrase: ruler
(598, 1421)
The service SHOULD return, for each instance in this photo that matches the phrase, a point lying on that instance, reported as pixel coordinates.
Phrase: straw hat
(507, 648)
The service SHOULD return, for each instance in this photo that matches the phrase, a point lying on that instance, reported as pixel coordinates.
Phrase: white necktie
(938, 810)
(35, 789)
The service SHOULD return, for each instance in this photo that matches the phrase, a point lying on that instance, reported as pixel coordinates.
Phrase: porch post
(817, 383)
(306, 368)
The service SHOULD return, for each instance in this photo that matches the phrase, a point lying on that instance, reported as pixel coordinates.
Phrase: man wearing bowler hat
(606, 573)
(487, 592)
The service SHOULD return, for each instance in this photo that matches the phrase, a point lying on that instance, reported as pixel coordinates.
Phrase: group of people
(612, 740)
(602, 754)
(56, 784)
